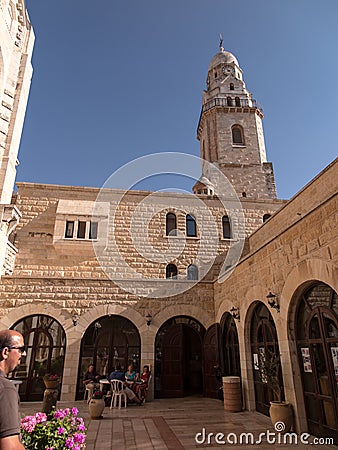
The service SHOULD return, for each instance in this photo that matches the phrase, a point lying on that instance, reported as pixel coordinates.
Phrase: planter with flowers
(52, 381)
(59, 430)
(96, 405)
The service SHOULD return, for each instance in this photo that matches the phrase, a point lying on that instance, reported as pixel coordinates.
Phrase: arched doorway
(178, 365)
(230, 347)
(317, 342)
(109, 341)
(45, 342)
(264, 342)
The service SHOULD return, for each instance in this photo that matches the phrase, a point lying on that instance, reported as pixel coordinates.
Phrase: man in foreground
(11, 351)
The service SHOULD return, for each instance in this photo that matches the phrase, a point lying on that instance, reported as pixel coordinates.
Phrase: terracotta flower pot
(51, 384)
(96, 407)
(281, 415)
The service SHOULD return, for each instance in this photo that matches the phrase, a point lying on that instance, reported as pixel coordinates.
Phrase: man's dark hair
(118, 367)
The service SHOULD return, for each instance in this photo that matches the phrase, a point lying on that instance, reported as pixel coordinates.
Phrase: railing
(232, 103)
(229, 102)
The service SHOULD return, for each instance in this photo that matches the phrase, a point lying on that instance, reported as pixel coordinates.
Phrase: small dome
(222, 57)
(204, 186)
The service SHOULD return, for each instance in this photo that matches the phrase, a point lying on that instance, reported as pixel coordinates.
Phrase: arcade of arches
(186, 354)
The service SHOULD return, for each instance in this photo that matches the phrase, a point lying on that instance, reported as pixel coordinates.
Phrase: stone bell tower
(230, 130)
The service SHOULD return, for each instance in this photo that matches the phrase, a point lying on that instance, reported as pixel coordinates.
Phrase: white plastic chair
(87, 393)
(117, 394)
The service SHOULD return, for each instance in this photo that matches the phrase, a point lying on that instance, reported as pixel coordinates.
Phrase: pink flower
(79, 438)
(59, 414)
(75, 411)
(40, 417)
(28, 423)
(61, 430)
(69, 443)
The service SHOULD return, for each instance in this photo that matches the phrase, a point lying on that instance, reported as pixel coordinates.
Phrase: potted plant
(51, 381)
(58, 430)
(96, 405)
(269, 372)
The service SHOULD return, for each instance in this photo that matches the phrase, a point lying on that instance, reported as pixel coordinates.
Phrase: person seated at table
(130, 375)
(141, 388)
(91, 379)
(117, 374)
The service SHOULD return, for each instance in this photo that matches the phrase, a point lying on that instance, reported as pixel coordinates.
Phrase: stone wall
(17, 40)
(44, 251)
(294, 248)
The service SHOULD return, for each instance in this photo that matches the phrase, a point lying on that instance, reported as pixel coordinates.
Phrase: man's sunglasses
(21, 349)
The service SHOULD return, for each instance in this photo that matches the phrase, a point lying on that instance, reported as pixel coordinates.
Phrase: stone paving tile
(171, 424)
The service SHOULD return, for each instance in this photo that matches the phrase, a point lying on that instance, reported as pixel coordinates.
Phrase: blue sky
(116, 80)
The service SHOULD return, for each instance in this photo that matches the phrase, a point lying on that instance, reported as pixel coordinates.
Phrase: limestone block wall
(286, 254)
(44, 251)
(17, 40)
(314, 194)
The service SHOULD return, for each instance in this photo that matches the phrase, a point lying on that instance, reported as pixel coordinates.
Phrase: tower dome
(222, 57)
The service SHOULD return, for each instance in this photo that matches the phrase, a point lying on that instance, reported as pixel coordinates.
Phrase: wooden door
(172, 371)
(211, 358)
(318, 357)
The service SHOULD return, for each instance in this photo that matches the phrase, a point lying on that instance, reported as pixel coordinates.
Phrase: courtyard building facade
(185, 282)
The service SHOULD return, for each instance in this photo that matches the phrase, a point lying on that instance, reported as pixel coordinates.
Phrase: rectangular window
(69, 229)
(81, 230)
(93, 230)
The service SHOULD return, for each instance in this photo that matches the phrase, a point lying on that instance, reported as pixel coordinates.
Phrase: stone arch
(106, 310)
(298, 280)
(30, 309)
(205, 318)
(45, 345)
(305, 272)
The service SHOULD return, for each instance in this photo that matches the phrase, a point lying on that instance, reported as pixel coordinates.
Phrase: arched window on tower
(237, 135)
(192, 272)
(232, 87)
(266, 217)
(190, 226)
(237, 101)
(226, 227)
(171, 224)
(171, 271)
(229, 101)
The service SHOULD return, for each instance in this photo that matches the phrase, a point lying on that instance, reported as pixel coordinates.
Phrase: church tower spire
(230, 129)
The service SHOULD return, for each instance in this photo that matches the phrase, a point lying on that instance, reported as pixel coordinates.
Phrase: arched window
(237, 135)
(229, 101)
(45, 342)
(266, 217)
(237, 101)
(190, 225)
(171, 271)
(171, 224)
(192, 272)
(226, 226)
(232, 87)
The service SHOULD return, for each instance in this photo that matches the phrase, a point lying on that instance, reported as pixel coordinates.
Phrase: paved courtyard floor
(174, 424)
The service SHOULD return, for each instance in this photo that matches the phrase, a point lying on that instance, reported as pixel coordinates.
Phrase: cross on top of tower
(221, 48)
